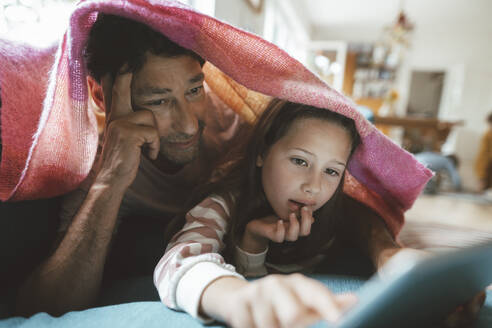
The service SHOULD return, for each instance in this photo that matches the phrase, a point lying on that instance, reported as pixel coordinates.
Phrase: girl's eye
(158, 102)
(298, 161)
(195, 91)
(332, 173)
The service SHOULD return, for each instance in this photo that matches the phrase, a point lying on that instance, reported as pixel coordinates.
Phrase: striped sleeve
(192, 260)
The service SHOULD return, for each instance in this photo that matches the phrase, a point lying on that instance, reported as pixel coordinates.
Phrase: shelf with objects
(371, 73)
(370, 81)
(369, 76)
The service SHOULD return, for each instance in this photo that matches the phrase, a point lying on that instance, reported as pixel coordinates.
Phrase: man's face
(172, 88)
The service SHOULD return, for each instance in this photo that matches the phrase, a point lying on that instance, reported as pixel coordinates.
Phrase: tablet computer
(423, 294)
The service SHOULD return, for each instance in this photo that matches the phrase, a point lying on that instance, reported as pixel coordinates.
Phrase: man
(156, 147)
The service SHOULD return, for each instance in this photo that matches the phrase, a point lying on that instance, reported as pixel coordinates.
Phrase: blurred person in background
(441, 165)
(483, 163)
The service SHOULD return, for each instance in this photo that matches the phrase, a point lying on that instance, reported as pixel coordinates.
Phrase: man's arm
(70, 279)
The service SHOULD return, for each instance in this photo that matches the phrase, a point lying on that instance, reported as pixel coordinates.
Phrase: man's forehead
(160, 73)
(155, 87)
(151, 60)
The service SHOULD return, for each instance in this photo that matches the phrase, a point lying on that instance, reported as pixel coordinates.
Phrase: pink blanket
(49, 147)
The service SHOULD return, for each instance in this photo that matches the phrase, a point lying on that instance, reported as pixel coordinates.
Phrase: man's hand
(273, 301)
(260, 232)
(126, 133)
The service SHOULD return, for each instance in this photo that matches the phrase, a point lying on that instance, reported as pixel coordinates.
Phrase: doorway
(425, 93)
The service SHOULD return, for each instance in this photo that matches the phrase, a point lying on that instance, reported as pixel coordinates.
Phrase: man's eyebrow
(148, 91)
(197, 78)
(308, 152)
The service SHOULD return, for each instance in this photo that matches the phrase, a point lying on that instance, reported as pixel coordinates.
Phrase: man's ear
(259, 161)
(96, 102)
(96, 93)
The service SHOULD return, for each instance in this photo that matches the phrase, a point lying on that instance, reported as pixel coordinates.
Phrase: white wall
(239, 14)
(461, 48)
(463, 51)
(294, 34)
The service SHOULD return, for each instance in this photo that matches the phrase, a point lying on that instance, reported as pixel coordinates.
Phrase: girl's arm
(192, 276)
(192, 260)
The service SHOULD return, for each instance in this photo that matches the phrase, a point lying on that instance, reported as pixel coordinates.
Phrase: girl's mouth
(295, 206)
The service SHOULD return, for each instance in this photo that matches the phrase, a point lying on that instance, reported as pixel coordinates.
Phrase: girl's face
(304, 167)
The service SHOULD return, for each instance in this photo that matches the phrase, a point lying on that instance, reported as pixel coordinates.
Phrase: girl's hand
(260, 232)
(274, 301)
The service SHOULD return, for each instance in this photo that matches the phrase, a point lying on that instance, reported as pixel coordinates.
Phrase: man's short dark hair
(115, 40)
(489, 118)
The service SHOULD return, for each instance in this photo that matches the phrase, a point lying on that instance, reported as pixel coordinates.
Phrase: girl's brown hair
(238, 181)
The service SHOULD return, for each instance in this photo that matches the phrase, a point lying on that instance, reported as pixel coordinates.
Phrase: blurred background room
(420, 70)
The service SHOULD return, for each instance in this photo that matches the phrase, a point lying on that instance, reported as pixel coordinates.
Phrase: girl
(276, 209)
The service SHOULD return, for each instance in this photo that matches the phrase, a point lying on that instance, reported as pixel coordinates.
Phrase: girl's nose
(312, 185)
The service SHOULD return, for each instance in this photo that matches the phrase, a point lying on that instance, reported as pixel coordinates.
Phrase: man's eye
(158, 102)
(195, 91)
(298, 161)
(332, 172)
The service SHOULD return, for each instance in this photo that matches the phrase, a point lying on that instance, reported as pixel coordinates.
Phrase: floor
(462, 210)
(433, 220)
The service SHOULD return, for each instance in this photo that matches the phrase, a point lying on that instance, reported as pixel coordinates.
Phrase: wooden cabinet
(421, 134)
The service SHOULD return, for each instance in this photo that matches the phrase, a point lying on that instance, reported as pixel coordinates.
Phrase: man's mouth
(186, 143)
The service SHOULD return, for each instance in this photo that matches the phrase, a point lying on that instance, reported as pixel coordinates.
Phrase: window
(204, 6)
(38, 22)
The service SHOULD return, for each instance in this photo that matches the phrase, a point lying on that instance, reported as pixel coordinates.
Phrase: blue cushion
(155, 314)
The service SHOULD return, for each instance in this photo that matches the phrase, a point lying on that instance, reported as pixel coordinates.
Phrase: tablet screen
(422, 295)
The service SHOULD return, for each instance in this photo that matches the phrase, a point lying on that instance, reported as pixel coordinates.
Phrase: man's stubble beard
(177, 156)
(181, 157)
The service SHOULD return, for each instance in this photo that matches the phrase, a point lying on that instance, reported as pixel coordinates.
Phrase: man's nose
(185, 119)
(312, 183)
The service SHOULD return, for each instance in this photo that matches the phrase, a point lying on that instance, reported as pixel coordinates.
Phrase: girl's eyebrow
(305, 151)
(313, 155)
